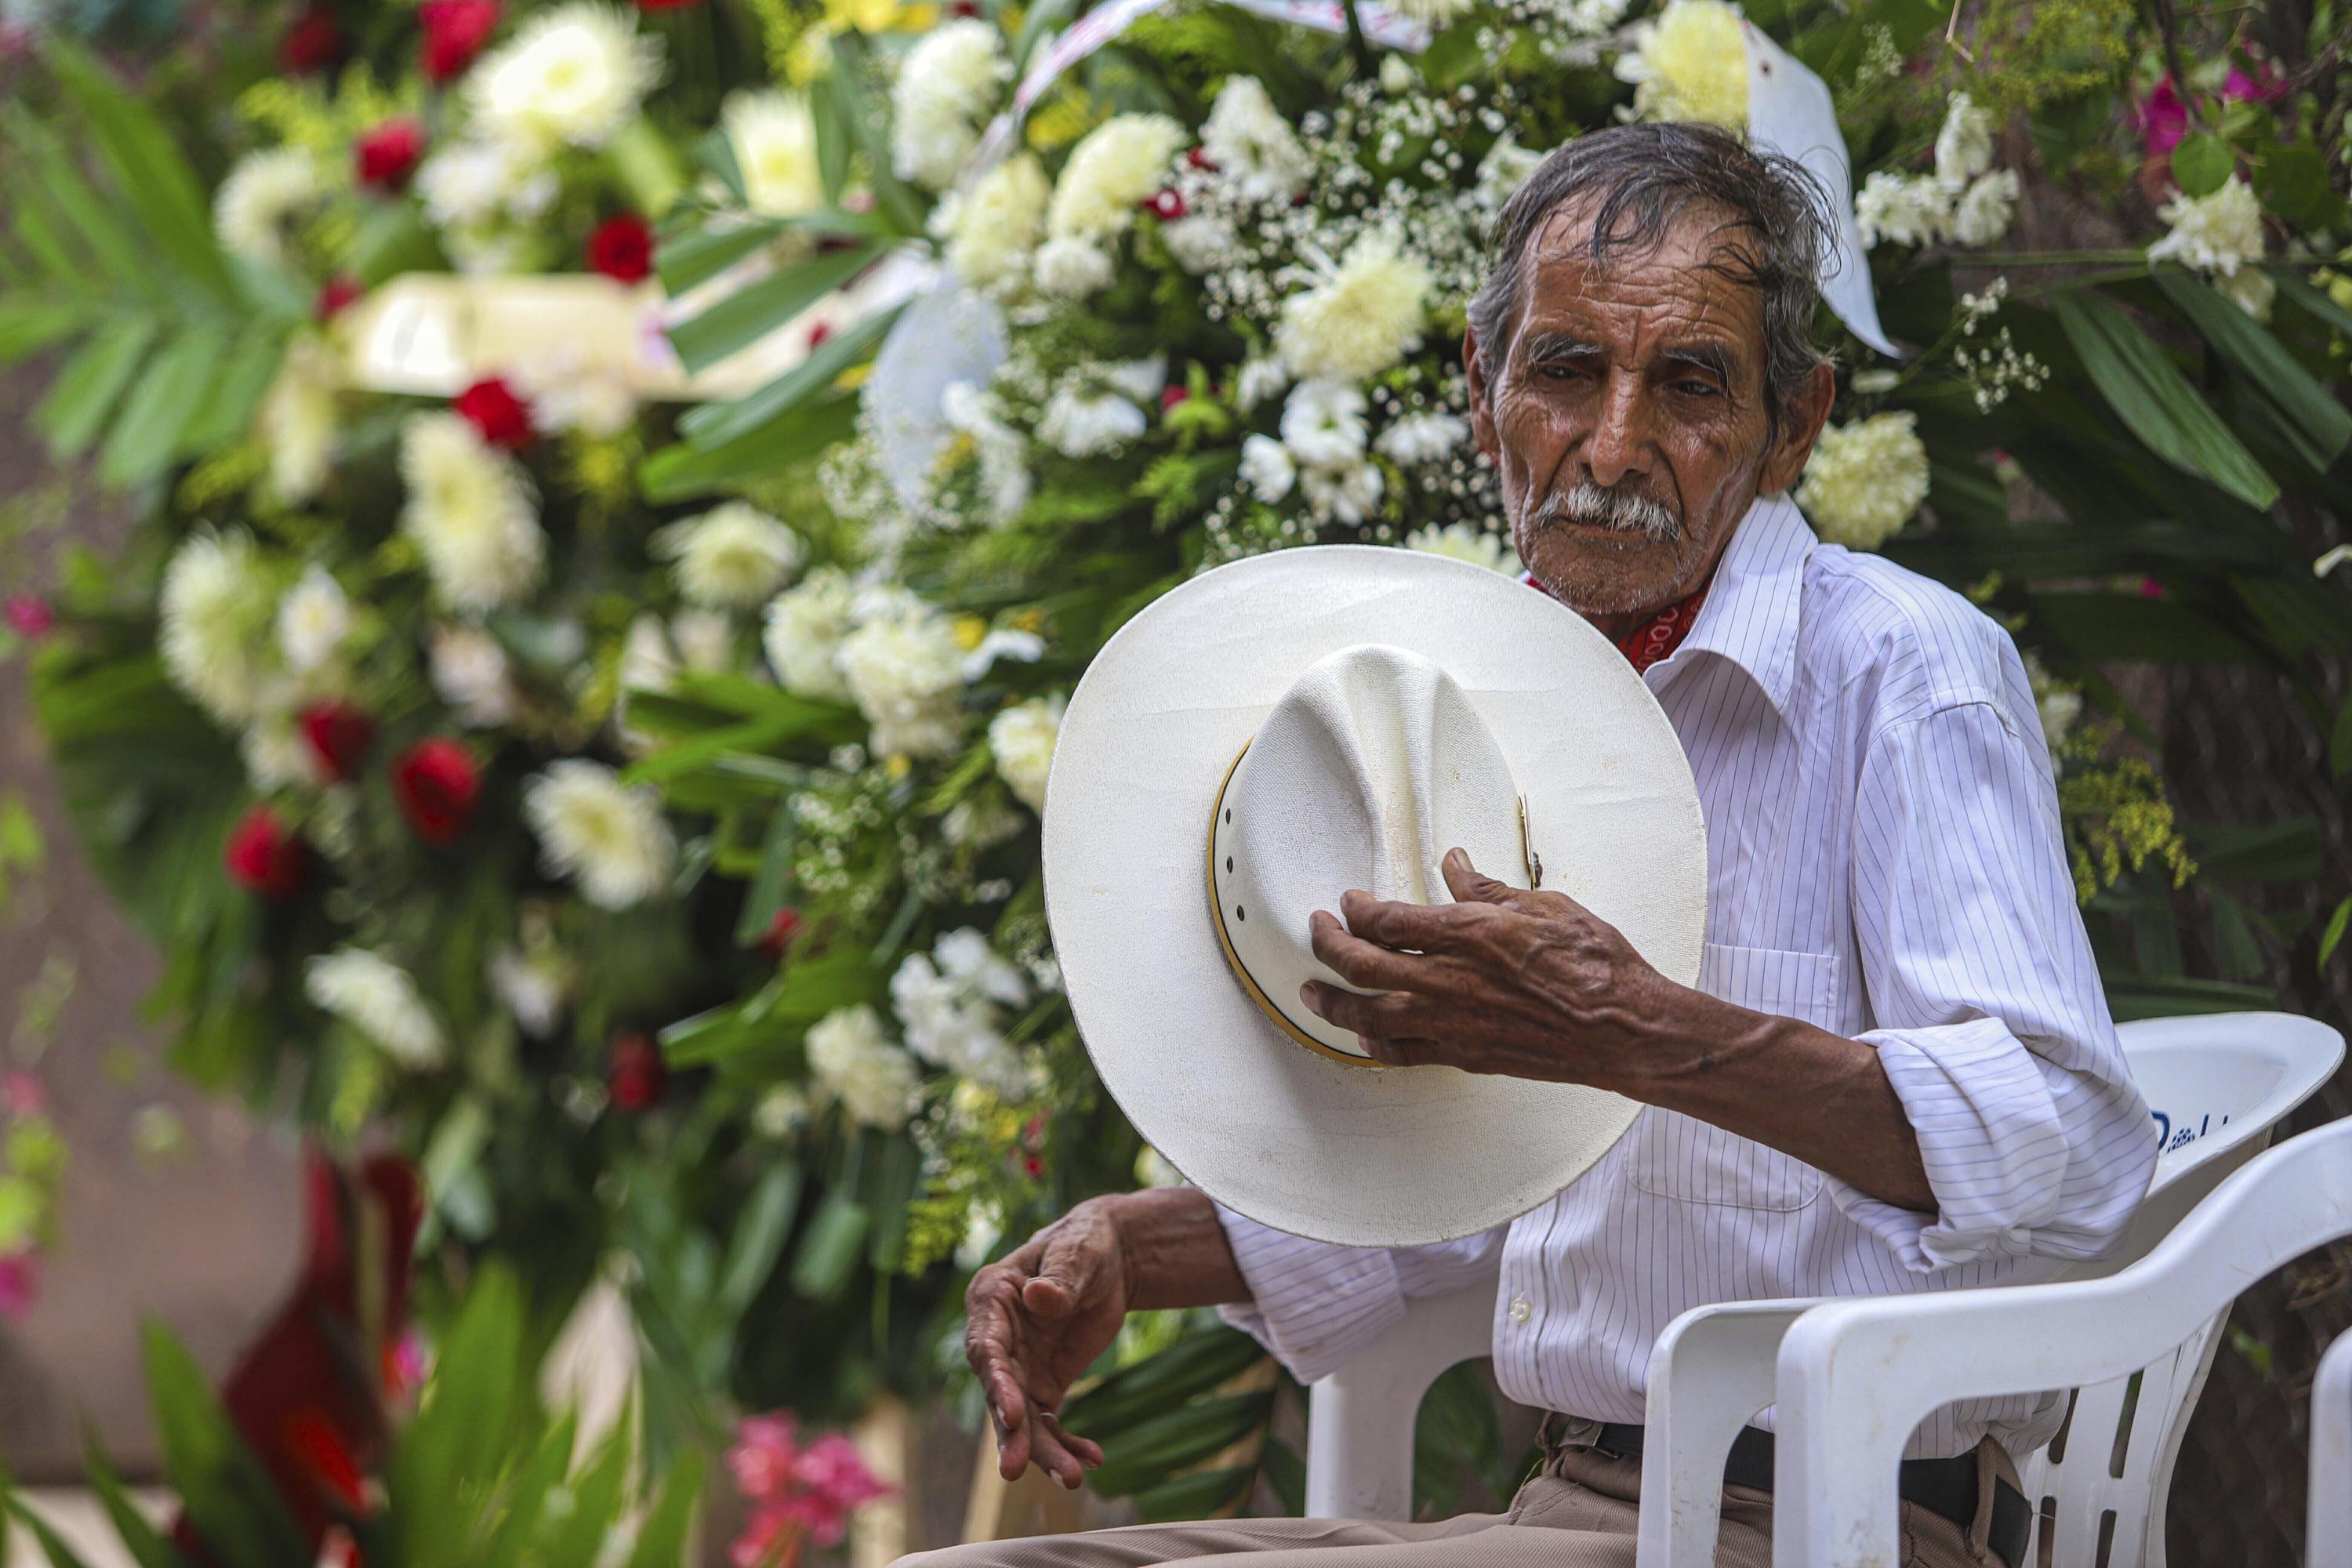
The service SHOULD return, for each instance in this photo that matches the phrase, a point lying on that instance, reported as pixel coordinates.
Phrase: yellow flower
(968, 630)
(1690, 64)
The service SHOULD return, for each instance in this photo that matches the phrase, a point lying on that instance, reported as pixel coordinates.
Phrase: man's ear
(1801, 425)
(1482, 408)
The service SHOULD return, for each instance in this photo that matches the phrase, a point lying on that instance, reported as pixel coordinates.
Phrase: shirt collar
(1749, 616)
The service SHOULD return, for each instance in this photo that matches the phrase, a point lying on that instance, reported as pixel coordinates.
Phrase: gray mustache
(1628, 512)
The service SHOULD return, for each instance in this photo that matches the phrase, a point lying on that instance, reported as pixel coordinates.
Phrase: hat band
(1250, 986)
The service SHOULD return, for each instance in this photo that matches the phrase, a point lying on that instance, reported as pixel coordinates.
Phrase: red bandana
(1664, 632)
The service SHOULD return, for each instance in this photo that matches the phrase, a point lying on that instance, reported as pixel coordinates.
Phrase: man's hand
(1038, 1319)
(1531, 984)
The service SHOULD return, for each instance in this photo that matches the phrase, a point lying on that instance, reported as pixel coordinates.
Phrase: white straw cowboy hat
(1276, 731)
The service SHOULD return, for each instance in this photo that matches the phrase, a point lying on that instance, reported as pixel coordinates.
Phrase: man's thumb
(1469, 885)
(1065, 1276)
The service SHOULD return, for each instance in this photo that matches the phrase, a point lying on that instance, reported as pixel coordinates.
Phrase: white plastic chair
(2327, 1534)
(1855, 1378)
(2217, 1084)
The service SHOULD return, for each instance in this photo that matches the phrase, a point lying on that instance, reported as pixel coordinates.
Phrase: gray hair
(1637, 179)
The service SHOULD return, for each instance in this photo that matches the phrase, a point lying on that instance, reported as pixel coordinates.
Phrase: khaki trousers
(1578, 1512)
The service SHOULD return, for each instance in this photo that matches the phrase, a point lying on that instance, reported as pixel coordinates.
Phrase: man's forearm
(1175, 1250)
(1803, 1090)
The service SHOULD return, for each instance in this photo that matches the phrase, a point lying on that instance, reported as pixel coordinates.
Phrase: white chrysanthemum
(1201, 243)
(1323, 423)
(1983, 213)
(534, 984)
(1021, 739)
(773, 138)
(1964, 146)
(276, 755)
(313, 619)
(1118, 164)
(1267, 468)
(1252, 145)
(1905, 209)
(608, 837)
(2215, 233)
(1360, 316)
(297, 420)
(264, 196)
(705, 639)
(567, 390)
(946, 88)
(733, 555)
(2251, 289)
(1258, 379)
(470, 674)
(904, 669)
(992, 229)
(1349, 494)
(1002, 642)
(1865, 481)
(217, 638)
(471, 511)
(1461, 542)
(1072, 269)
(874, 1079)
(1691, 63)
(469, 185)
(950, 1003)
(1083, 425)
(1422, 439)
(806, 627)
(1005, 482)
(379, 999)
(570, 75)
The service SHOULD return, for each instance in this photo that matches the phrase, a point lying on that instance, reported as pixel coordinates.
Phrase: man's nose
(1621, 438)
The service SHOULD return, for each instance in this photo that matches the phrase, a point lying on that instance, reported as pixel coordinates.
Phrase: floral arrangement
(798, 1493)
(32, 1163)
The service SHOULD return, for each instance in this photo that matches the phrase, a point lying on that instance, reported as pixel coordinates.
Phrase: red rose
(335, 296)
(621, 248)
(29, 616)
(1170, 396)
(436, 784)
(311, 42)
(636, 1073)
(666, 5)
(263, 858)
(493, 410)
(1166, 205)
(339, 732)
(455, 31)
(387, 155)
(782, 933)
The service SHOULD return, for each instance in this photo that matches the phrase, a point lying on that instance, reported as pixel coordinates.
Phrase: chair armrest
(2329, 1535)
(1360, 1419)
(1712, 1371)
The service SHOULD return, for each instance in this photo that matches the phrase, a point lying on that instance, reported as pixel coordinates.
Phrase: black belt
(1947, 1488)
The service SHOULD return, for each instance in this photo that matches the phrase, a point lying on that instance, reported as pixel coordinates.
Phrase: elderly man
(1898, 1071)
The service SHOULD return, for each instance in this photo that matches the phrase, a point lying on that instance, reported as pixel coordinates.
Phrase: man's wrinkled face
(1627, 416)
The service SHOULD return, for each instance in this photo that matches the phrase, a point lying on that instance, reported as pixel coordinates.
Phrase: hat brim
(1363, 1156)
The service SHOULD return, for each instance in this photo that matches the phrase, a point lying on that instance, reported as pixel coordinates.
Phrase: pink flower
(833, 1468)
(764, 1456)
(2269, 86)
(20, 1282)
(771, 1538)
(21, 1094)
(29, 616)
(2163, 119)
(796, 1493)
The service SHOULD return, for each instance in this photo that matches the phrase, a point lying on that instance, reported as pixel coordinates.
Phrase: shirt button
(1520, 1309)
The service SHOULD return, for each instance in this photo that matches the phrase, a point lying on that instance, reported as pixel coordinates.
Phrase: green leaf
(661, 1538)
(161, 406)
(830, 1248)
(146, 166)
(2293, 183)
(2263, 360)
(243, 380)
(1156, 1449)
(526, 1501)
(716, 424)
(752, 312)
(467, 1419)
(53, 1545)
(2131, 997)
(2314, 302)
(1204, 1494)
(2334, 934)
(28, 326)
(84, 394)
(1456, 1429)
(146, 1545)
(2339, 744)
(2151, 396)
(2130, 627)
(232, 1503)
(758, 1237)
(684, 472)
(764, 894)
(1192, 1366)
(2237, 950)
(2202, 163)
(597, 1496)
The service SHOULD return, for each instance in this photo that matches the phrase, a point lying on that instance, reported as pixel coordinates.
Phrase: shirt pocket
(1682, 1158)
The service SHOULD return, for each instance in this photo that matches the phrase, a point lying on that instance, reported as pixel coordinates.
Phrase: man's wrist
(1172, 1249)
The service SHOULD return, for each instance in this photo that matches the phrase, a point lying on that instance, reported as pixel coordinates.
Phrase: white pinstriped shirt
(1883, 861)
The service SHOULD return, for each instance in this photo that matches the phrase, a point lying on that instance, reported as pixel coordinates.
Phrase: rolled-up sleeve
(1315, 1304)
(1990, 1020)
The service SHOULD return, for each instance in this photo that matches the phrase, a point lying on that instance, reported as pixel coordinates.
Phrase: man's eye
(1696, 388)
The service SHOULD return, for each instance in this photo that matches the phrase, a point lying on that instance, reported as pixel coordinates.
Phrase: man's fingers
(1356, 961)
(1067, 1274)
(1422, 928)
(1383, 1024)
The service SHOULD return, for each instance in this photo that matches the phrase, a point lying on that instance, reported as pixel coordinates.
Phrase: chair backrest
(2327, 1535)
(2216, 1085)
(2217, 1088)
